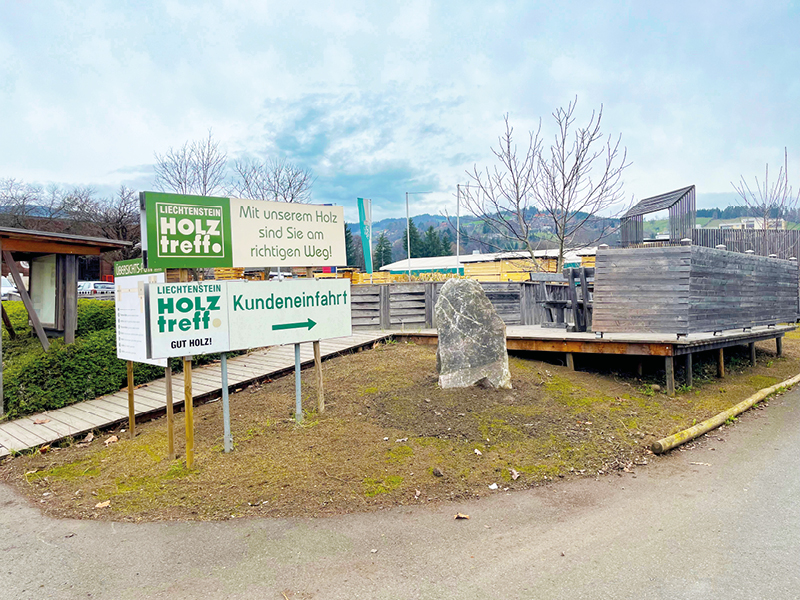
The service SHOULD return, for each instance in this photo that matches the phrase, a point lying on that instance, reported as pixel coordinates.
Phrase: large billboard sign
(180, 231)
(217, 316)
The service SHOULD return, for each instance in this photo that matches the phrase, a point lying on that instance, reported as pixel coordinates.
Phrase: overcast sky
(380, 98)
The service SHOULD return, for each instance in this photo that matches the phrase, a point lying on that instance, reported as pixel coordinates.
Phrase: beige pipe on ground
(670, 442)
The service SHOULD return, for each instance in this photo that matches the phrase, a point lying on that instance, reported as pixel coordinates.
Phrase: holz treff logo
(184, 231)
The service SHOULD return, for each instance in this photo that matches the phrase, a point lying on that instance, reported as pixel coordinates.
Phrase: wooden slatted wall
(730, 290)
(407, 305)
(642, 290)
(365, 306)
(688, 289)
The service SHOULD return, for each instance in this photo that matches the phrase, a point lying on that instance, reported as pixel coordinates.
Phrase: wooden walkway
(78, 419)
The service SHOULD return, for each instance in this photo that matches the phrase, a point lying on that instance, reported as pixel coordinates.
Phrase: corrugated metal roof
(656, 203)
(433, 263)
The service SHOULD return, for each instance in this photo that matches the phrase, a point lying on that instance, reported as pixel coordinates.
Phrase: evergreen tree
(446, 244)
(349, 247)
(416, 240)
(431, 243)
(383, 252)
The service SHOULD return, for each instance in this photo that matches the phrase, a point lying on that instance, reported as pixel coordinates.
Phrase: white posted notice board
(129, 304)
(218, 316)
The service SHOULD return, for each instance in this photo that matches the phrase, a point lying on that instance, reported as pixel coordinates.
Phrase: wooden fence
(410, 305)
(688, 289)
(781, 242)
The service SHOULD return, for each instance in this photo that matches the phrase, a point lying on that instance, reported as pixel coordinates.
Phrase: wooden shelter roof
(657, 203)
(47, 242)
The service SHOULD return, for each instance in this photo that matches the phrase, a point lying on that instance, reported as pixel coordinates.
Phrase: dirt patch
(389, 436)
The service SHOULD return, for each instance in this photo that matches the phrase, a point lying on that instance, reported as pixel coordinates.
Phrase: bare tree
(580, 179)
(569, 188)
(503, 197)
(18, 203)
(273, 179)
(197, 167)
(769, 201)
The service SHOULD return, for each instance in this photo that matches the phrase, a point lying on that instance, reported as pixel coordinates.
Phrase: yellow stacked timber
(377, 277)
(229, 273)
(587, 261)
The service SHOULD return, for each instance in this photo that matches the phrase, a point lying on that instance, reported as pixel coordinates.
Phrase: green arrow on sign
(300, 325)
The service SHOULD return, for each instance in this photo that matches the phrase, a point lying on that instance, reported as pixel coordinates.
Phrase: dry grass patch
(389, 436)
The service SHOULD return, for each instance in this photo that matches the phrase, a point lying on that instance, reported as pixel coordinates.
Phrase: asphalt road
(721, 520)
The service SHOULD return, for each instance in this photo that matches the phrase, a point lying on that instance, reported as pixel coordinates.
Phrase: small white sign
(129, 305)
(266, 313)
(187, 318)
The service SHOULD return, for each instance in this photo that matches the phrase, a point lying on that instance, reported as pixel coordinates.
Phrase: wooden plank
(29, 438)
(10, 441)
(76, 418)
(95, 409)
(51, 431)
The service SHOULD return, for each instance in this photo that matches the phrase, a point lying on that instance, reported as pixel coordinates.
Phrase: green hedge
(65, 374)
(95, 315)
(35, 380)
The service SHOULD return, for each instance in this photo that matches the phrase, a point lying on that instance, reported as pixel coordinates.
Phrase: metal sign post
(170, 416)
(298, 399)
(227, 439)
(188, 410)
(131, 410)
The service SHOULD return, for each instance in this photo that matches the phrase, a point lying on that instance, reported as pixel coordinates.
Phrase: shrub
(95, 315)
(66, 374)
(35, 380)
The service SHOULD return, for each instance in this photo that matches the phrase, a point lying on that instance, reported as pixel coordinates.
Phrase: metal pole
(458, 228)
(408, 237)
(298, 399)
(227, 439)
(131, 409)
(188, 410)
(170, 414)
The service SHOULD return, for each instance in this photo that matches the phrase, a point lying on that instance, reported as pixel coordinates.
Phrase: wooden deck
(535, 338)
(78, 419)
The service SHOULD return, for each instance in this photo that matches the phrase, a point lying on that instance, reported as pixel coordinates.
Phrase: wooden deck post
(570, 361)
(669, 367)
(779, 345)
(320, 386)
(70, 298)
(384, 304)
(639, 367)
(752, 354)
(688, 376)
(721, 364)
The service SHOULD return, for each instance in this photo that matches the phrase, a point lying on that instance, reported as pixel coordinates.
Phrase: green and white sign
(265, 313)
(218, 316)
(197, 231)
(187, 319)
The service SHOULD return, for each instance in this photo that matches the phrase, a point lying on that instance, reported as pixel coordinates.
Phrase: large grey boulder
(472, 338)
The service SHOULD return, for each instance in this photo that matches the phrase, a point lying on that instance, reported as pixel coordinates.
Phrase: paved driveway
(718, 521)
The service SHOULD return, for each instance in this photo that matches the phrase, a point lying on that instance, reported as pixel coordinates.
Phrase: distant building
(745, 223)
